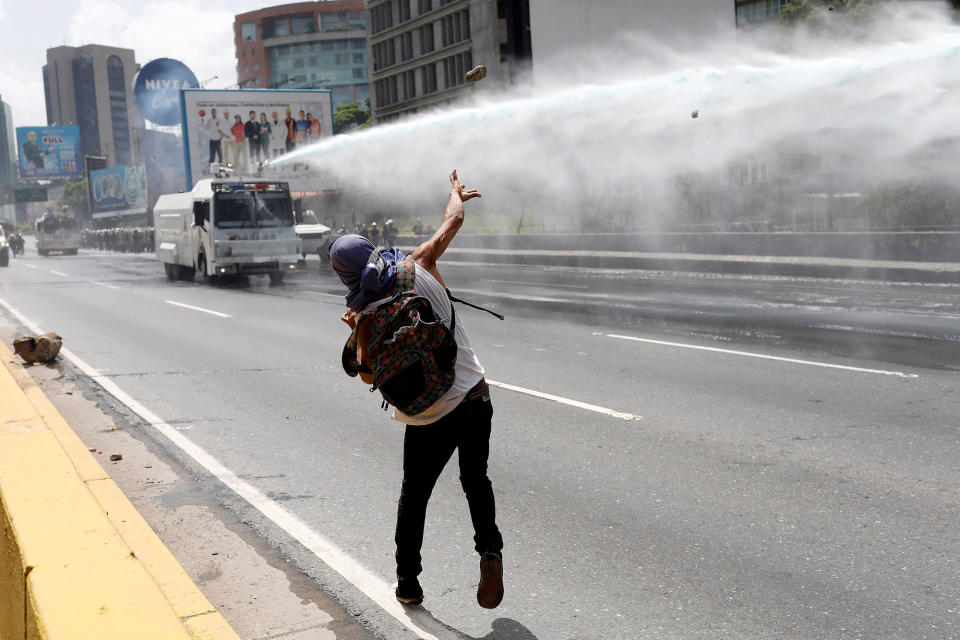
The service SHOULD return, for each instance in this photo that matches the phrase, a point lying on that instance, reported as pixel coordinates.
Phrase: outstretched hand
(461, 190)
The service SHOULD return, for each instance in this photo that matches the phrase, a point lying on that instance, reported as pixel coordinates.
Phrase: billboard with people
(243, 127)
(49, 152)
(118, 191)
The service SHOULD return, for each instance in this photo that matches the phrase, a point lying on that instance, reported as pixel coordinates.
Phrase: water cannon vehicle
(314, 236)
(58, 233)
(227, 225)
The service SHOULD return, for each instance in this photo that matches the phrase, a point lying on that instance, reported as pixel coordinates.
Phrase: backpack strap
(350, 358)
(475, 306)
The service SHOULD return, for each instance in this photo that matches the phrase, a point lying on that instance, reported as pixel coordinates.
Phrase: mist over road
(674, 455)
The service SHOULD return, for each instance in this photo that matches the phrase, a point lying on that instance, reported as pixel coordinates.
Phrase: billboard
(218, 127)
(118, 191)
(157, 89)
(49, 152)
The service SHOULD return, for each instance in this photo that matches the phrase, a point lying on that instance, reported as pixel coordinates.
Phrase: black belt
(480, 391)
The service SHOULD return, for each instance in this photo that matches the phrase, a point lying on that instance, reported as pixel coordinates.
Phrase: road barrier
(898, 256)
(76, 558)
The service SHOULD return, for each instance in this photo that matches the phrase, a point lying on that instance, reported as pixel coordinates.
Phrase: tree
(348, 116)
(797, 11)
(75, 197)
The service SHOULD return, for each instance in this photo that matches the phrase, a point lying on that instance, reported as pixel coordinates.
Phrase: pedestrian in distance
(459, 420)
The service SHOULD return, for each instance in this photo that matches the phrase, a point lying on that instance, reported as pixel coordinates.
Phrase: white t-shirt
(468, 369)
(213, 128)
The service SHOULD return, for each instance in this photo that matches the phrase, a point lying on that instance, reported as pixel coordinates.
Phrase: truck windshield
(250, 209)
(52, 225)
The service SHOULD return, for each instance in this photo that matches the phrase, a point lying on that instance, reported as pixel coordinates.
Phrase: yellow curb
(76, 558)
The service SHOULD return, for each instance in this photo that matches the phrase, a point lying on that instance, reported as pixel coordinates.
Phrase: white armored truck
(226, 227)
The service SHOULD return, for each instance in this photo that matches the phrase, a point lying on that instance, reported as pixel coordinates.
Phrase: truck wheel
(202, 267)
(276, 278)
(171, 270)
(186, 273)
(42, 252)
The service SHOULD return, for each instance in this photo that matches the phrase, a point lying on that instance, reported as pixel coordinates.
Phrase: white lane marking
(59, 273)
(542, 284)
(370, 584)
(566, 401)
(764, 356)
(30, 266)
(326, 295)
(190, 306)
(104, 284)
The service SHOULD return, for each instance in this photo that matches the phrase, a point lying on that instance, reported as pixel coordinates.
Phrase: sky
(198, 33)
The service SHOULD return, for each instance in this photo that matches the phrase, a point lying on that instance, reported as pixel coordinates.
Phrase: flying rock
(476, 74)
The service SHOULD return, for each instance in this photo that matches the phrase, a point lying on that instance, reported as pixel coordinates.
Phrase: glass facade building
(9, 172)
(91, 87)
(305, 45)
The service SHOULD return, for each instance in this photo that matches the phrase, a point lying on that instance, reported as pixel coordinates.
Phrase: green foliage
(75, 197)
(349, 116)
(799, 11)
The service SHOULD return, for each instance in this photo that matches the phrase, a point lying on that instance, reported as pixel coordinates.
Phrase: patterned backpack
(412, 353)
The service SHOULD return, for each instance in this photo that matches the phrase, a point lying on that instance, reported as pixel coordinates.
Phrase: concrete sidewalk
(76, 559)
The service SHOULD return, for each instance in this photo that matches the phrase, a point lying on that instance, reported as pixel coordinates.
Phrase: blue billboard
(157, 89)
(118, 191)
(49, 152)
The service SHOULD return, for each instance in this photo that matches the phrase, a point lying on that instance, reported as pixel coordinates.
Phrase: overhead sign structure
(246, 126)
(157, 89)
(21, 196)
(118, 191)
(49, 152)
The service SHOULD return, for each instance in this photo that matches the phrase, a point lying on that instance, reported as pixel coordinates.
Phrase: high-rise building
(305, 45)
(92, 87)
(9, 172)
(422, 49)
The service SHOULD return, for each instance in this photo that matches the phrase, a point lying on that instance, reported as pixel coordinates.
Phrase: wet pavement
(788, 471)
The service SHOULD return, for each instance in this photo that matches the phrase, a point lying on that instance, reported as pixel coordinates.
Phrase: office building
(754, 11)
(305, 45)
(9, 171)
(421, 50)
(92, 87)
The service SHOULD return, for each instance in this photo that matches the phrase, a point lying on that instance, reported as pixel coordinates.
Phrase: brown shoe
(490, 589)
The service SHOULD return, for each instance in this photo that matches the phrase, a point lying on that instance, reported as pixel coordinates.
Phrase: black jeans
(215, 151)
(426, 450)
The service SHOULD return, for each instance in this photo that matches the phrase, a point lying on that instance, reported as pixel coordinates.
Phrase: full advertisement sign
(49, 152)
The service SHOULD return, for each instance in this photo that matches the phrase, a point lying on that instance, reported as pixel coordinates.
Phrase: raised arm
(427, 254)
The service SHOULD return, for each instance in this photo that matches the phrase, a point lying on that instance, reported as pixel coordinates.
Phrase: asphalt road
(783, 466)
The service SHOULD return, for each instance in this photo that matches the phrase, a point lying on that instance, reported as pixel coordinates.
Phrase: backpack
(412, 353)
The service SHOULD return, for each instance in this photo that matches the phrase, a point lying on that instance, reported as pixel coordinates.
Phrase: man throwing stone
(460, 420)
